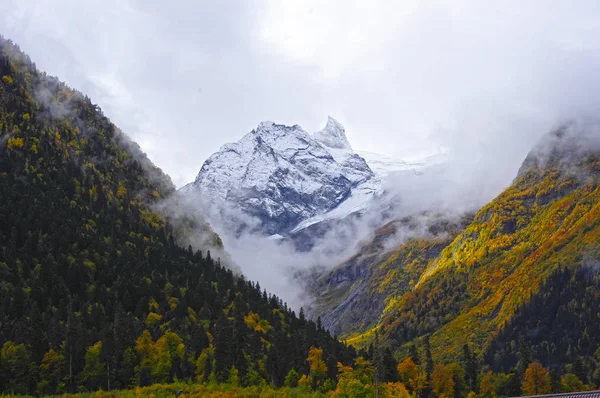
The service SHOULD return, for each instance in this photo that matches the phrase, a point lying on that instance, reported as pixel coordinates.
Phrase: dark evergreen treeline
(559, 327)
(94, 292)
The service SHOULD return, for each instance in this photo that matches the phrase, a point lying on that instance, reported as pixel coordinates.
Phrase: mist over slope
(284, 200)
(481, 286)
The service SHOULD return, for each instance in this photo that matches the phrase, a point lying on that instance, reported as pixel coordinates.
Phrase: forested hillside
(94, 290)
(352, 296)
(519, 285)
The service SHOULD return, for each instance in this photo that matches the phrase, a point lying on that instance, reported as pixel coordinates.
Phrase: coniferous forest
(96, 292)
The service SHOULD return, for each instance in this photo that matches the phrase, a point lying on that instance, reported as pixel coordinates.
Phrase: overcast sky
(405, 77)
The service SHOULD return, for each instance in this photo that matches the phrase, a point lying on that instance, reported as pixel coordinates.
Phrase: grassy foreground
(196, 390)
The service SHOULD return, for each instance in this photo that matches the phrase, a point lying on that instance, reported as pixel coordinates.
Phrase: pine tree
(428, 358)
(378, 363)
(414, 354)
(579, 370)
(470, 365)
(291, 380)
(223, 354)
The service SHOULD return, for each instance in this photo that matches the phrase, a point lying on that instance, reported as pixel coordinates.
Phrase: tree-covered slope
(515, 284)
(547, 221)
(352, 296)
(94, 290)
(559, 327)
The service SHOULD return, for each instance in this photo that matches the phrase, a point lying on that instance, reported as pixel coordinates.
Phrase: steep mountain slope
(352, 296)
(94, 291)
(478, 289)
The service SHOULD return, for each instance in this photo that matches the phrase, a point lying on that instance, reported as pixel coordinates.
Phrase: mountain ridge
(477, 289)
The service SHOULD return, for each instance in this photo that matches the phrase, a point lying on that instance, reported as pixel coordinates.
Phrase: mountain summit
(283, 175)
(333, 135)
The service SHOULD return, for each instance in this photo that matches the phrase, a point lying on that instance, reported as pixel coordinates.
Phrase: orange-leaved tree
(412, 376)
(537, 380)
(441, 381)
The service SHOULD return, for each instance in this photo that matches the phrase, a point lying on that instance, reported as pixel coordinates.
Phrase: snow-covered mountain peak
(268, 127)
(291, 183)
(333, 135)
(282, 174)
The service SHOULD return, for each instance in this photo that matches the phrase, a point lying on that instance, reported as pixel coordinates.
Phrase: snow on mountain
(383, 165)
(290, 179)
(363, 195)
(333, 135)
(282, 174)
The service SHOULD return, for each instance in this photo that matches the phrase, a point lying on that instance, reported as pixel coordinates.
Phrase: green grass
(195, 390)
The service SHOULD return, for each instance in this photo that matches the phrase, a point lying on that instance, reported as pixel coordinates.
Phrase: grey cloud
(183, 79)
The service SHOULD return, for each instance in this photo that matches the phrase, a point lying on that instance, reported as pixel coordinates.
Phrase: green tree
(458, 376)
(487, 386)
(291, 379)
(204, 364)
(470, 365)
(378, 363)
(168, 350)
(252, 377)
(305, 384)
(579, 370)
(357, 381)
(126, 371)
(14, 367)
(234, 377)
(571, 383)
(146, 352)
(414, 354)
(508, 385)
(93, 372)
(51, 373)
(223, 348)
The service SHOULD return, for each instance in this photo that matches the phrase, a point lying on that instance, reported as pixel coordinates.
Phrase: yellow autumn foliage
(253, 321)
